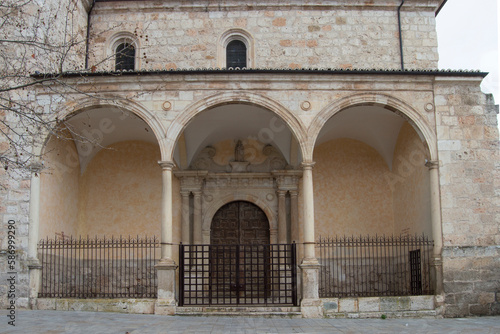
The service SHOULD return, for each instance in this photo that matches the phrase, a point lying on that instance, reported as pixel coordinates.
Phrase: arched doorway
(240, 256)
(239, 223)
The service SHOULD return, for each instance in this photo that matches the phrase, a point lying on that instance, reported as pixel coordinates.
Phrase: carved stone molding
(274, 161)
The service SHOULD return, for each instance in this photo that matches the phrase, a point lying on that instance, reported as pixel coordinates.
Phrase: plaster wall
(59, 186)
(120, 191)
(351, 195)
(410, 184)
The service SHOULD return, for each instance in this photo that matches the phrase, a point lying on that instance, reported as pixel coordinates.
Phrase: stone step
(241, 311)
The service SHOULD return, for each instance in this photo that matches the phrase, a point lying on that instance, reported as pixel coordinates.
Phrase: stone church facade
(332, 119)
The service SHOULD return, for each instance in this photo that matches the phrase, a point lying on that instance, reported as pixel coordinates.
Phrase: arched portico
(396, 193)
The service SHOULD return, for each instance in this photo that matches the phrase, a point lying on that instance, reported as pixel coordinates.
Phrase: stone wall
(321, 34)
(469, 177)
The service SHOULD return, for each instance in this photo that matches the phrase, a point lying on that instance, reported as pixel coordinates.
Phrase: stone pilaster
(186, 224)
(197, 215)
(437, 232)
(282, 230)
(34, 265)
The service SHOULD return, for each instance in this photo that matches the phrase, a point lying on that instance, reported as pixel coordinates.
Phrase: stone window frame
(231, 35)
(121, 38)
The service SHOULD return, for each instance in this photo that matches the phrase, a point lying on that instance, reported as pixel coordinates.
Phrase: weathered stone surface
(391, 304)
(369, 304)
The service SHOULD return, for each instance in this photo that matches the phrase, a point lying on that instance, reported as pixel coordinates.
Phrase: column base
(166, 303)
(35, 274)
(310, 306)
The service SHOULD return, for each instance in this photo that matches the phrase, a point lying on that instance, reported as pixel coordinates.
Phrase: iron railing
(238, 274)
(99, 267)
(374, 266)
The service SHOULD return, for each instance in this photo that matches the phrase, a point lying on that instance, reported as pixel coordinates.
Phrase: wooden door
(240, 223)
(239, 240)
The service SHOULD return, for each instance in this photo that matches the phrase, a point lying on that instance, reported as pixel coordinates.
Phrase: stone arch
(393, 104)
(235, 34)
(180, 123)
(113, 101)
(214, 206)
(124, 37)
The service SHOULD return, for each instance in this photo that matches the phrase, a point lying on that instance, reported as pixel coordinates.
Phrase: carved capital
(185, 193)
(307, 165)
(432, 164)
(36, 167)
(281, 193)
(166, 165)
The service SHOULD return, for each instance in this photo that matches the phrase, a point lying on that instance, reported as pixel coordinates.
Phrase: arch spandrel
(393, 104)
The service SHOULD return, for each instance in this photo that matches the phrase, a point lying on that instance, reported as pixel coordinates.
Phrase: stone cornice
(118, 6)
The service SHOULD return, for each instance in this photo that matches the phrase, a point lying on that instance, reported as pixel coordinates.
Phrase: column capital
(166, 165)
(185, 193)
(307, 165)
(294, 193)
(281, 192)
(432, 164)
(35, 167)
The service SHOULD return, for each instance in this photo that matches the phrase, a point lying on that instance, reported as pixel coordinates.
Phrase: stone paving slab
(99, 322)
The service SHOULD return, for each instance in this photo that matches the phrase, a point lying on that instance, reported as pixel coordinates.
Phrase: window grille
(125, 57)
(236, 54)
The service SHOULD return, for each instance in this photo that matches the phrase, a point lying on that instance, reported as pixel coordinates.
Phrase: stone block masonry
(340, 34)
(471, 280)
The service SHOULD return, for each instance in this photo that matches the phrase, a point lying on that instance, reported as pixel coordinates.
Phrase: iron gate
(237, 274)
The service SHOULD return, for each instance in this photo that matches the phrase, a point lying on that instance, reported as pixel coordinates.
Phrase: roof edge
(435, 72)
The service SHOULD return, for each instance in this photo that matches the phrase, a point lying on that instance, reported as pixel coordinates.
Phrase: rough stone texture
(338, 34)
(376, 307)
(137, 306)
(471, 280)
(469, 176)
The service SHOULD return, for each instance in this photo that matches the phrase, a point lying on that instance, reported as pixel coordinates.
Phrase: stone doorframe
(204, 192)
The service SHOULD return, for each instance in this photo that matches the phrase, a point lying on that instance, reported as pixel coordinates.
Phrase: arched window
(236, 54)
(235, 48)
(125, 57)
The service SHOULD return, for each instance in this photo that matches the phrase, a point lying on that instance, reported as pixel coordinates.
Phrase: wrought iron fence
(99, 267)
(374, 266)
(238, 274)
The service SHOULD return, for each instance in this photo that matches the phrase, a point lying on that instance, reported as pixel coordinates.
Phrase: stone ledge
(122, 305)
(376, 307)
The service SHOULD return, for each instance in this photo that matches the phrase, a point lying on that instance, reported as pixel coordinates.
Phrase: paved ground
(92, 322)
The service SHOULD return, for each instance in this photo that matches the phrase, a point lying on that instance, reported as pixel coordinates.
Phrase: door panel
(240, 275)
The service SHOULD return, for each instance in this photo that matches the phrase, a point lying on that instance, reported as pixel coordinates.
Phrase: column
(166, 302)
(437, 232)
(307, 183)
(282, 217)
(34, 213)
(166, 211)
(34, 265)
(186, 224)
(197, 223)
(311, 305)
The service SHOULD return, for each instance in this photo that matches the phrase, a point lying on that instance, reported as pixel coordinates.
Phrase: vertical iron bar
(181, 274)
